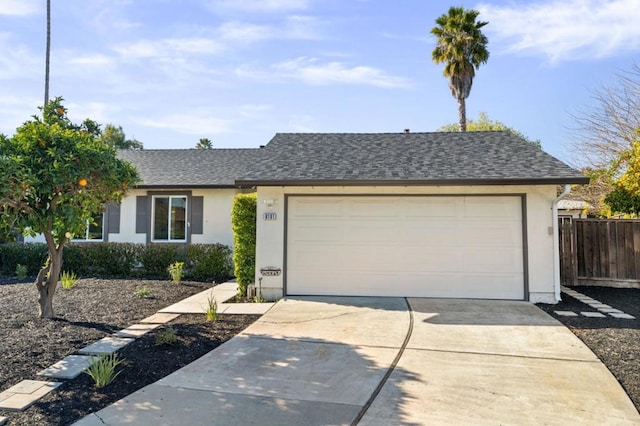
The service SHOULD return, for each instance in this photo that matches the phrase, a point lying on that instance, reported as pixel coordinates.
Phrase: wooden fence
(604, 250)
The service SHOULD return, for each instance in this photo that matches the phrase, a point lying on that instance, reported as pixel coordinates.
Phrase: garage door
(422, 246)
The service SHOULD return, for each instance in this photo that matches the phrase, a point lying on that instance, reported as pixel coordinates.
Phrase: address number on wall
(270, 216)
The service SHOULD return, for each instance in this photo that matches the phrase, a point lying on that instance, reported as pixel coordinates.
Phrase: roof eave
(186, 186)
(430, 182)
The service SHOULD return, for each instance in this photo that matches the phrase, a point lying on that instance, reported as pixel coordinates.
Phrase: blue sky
(239, 71)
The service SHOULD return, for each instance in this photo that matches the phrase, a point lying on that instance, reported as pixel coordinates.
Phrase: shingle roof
(440, 158)
(405, 158)
(189, 167)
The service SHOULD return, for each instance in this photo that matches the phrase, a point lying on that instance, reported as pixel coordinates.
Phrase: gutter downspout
(556, 242)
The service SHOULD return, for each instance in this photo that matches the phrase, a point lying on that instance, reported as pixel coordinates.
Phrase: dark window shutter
(197, 219)
(142, 218)
(113, 218)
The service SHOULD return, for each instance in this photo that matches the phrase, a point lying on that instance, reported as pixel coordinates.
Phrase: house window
(94, 230)
(169, 218)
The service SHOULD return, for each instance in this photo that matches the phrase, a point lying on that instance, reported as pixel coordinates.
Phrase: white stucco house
(462, 215)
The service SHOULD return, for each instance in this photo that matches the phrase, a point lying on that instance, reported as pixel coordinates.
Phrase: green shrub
(176, 269)
(32, 255)
(209, 262)
(243, 219)
(113, 259)
(68, 280)
(144, 292)
(78, 258)
(166, 336)
(203, 262)
(104, 259)
(156, 258)
(21, 271)
(103, 369)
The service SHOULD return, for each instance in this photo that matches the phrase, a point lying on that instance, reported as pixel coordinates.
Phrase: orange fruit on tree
(60, 111)
(82, 182)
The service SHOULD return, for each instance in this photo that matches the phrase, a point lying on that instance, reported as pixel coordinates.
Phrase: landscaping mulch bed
(86, 313)
(615, 341)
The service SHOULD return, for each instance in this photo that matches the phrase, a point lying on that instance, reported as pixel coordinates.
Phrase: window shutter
(197, 218)
(142, 218)
(113, 219)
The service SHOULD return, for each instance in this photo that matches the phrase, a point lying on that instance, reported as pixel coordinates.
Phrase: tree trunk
(47, 281)
(462, 114)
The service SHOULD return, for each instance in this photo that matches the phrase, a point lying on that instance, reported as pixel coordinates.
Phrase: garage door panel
(358, 208)
(423, 246)
(319, 207)
(314, 232)
(491, 207)
(435, 207)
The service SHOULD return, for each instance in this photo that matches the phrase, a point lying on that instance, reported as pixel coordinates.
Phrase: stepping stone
(136, 330)
(21, 396)
(593, 314)
(566, 313)
(622, 316)
(599, 305)
(611, 310)
(159, 318)
(68, 368)
(3, 421)
(107, 346)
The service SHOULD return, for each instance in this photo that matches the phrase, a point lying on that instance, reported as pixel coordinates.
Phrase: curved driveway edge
(318, 360)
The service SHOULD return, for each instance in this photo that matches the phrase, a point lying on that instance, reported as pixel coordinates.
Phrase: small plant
(258, 299)
(103, 369)
(68, 280)
(144, 292)
(167, 336)
(21, 271)
(176, 270)
(211, 310)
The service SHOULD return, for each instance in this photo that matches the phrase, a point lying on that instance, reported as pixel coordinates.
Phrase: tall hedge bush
(243, 219)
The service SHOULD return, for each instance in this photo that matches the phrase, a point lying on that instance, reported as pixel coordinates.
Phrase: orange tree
(56, 177)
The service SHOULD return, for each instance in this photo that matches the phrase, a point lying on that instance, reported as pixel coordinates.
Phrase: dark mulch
(615, 341)
(91, 310)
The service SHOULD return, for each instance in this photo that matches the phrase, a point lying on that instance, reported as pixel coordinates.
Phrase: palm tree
(462, 47)
(47, 54)
(204, 143)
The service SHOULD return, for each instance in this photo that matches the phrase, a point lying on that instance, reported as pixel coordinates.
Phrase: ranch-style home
(463, 215)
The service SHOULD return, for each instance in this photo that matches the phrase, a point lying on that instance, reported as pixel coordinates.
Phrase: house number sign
(270, 216)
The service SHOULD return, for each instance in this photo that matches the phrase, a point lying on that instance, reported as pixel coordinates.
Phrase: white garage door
(422, 246)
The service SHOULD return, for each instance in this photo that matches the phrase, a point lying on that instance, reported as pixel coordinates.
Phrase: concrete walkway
(330, 360)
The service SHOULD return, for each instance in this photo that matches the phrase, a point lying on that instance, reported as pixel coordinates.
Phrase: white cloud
(90, 61)
(246, 33)
(566, 29)
(260, 5)
(19, 7)
(312, 72)
(169, 47)
(194, 123)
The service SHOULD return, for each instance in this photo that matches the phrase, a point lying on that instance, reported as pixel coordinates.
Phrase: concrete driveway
(346, 360)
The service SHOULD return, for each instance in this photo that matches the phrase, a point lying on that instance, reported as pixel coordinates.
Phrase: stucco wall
(270, 234)
(216, 218)
(216, 213)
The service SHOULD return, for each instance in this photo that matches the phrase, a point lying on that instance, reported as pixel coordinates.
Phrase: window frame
(85, 239)
(152, 221)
